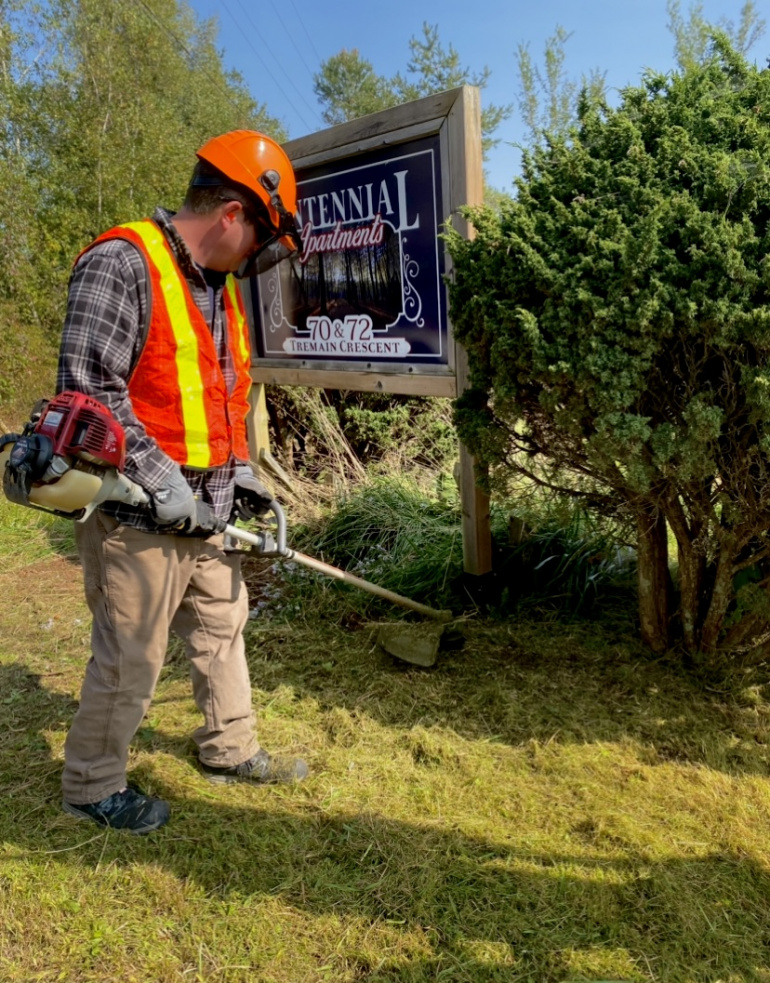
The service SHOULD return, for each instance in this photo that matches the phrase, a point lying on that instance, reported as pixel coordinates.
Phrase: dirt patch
(48, 581)
(43, 606)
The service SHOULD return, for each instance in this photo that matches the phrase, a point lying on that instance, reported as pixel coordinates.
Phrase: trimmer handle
(265, 543)
(280, 533)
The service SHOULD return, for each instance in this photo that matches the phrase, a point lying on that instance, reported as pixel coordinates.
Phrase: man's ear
(230, 211)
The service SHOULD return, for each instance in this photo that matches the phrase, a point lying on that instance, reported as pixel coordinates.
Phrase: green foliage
(105, 105)
(27, 367)
(617, 315)
(348, 87)
(693, 33)
(567, 560)
(436, 69)
(415, 430)
(325, 433)
(386, 531)
(30, 536)
(548, 98)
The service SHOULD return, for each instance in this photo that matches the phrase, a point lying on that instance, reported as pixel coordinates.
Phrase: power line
(302, 25)
(183, 46)
(215, 82)
(281, 68)
(291, 38)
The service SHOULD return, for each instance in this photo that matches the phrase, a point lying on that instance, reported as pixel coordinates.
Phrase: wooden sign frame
(455, 118)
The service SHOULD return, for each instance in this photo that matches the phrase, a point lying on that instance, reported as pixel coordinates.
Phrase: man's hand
(175, 504)
(251, 500)
(206, 522)
(182, 514)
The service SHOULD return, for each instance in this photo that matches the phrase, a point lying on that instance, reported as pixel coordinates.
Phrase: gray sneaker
(262, 769)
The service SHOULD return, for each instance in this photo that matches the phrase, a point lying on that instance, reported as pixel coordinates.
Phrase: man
(155, 329)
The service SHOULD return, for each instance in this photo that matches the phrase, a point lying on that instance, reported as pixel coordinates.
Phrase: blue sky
(277, 47)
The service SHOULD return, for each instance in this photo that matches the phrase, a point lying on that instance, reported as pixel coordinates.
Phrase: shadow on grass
(448, 895)
(530, 913)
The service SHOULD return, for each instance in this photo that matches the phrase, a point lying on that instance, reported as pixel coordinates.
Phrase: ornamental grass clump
(386, 531)
(572, 564)
(616, 316)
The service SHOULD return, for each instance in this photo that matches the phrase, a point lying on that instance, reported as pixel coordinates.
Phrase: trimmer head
(414, 643)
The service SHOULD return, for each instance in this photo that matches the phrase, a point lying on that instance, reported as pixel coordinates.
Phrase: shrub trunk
(654, 579)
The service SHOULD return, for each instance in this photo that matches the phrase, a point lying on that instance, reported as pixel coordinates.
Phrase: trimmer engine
(66, 450)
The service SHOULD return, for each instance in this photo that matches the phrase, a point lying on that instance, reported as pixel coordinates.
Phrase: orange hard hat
(258, 163)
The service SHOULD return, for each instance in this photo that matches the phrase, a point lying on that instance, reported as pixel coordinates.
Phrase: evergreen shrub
(616, 314)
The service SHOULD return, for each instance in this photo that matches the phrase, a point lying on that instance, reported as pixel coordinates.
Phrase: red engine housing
(82, 427)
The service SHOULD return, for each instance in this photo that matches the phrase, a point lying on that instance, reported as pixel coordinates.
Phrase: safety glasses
(281, 243)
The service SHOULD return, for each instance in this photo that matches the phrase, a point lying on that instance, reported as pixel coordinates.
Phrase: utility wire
(183, 46)
(302, 25)
(281, 68)
(292, 40)
(215, 82)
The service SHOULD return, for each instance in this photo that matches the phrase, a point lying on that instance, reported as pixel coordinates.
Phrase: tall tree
(693, 33)
(108, 116)
(347, 85)
(20, 53)
(548, 97)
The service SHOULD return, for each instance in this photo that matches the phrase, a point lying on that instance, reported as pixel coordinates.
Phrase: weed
(569, 561)
(30, 535)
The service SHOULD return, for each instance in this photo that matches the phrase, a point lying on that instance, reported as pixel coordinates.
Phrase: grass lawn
(548, 803)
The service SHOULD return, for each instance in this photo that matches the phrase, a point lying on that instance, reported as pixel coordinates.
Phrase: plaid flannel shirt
(107, 309)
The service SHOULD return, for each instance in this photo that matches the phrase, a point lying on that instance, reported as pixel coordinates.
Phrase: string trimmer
(70, 457)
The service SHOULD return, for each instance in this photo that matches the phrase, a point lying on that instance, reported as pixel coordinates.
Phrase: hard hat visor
(268, 255)
(282, 243)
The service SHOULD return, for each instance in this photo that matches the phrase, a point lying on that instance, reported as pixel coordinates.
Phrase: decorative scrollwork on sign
(411, 299)
(275, 304)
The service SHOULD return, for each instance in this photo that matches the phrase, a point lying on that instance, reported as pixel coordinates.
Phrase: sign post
(467, 185)
(366, 307)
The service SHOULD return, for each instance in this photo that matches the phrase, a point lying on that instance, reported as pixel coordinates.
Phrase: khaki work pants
(139, 586)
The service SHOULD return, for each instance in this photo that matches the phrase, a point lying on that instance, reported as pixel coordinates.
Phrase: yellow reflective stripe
(188, 368)
(240, 320)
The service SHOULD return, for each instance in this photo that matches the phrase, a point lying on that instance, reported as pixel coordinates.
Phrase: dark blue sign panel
(368, 288)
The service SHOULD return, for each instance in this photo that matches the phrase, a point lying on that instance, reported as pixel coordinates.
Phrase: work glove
(251, 499)
(205, 522)
(175, 504)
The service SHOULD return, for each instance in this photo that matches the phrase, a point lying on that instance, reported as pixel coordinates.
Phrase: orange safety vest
(177, 388)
